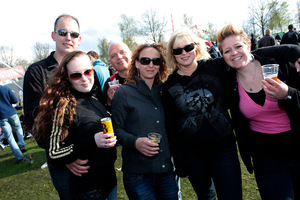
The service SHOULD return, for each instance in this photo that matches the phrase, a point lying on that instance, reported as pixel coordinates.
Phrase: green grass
(28, 181)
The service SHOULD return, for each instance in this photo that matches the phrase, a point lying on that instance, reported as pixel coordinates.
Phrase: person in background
(119, 57)
(265, 113)
(99, 67)
(212, 52)
(111, 69)
(9, 119)
(278, 39)
(69, 120)
(291, 37)
(266, 40)
(253, 42)
(137, 111)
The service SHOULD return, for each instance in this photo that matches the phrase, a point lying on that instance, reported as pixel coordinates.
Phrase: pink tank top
(269, 118)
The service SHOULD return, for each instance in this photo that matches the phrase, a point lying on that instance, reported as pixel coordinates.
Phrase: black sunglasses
(187, 48)
(86, 73)
(146, 61)
(63, 32)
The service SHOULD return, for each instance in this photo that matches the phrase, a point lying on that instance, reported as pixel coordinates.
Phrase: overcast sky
(25, 22)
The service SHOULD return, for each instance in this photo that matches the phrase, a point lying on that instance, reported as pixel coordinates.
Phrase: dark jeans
(150, 186)
(60, 176)
(223, 167)
(277, 179)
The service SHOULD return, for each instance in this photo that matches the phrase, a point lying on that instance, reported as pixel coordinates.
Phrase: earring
(138, 72)
(252, 58)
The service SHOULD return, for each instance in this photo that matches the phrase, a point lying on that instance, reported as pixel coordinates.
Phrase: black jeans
(223, 167)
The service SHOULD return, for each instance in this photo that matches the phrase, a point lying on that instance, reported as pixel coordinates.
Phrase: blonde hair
(176, 38)
(230, 30)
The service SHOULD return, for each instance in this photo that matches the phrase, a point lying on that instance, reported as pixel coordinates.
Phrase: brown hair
(163, 70)
(57, 95)
(94, 54)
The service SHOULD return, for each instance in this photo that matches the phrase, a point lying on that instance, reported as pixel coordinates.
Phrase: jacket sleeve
(119, 115)
(290, 52)
(13, 98)
(171, 120)
(59, 152)
(33, 89)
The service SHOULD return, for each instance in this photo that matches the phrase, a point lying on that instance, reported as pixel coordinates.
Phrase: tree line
(153, 27)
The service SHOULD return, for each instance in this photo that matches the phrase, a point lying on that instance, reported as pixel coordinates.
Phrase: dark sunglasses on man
(186, 48)
(64, 33)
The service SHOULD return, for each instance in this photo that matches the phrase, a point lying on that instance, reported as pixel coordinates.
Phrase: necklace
(254, 75)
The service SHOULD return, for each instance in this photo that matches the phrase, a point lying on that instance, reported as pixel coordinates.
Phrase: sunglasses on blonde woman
(87, 73)
(187, 48)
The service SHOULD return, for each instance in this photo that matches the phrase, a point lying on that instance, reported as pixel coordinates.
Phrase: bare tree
(129, 30)
(153, 28)
(7, 55)
(40, 51)
(261, 12)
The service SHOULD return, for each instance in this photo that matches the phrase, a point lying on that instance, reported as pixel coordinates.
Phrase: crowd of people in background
(183, 92)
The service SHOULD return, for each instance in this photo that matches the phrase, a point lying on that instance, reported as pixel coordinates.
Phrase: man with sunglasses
(67, 38)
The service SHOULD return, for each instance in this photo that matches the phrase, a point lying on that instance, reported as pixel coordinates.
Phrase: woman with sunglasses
(197, 122)
(69, 119)
(137, 111)
(195, 98)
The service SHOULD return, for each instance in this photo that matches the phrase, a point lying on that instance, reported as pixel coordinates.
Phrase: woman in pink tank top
(265, 113)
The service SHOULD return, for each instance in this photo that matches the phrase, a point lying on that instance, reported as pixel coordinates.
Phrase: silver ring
(105, 141)
(105, 145)
(272, 93)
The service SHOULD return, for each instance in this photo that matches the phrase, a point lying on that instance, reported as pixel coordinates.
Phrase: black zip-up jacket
(80, 144)
(35, 80)
(137, 111)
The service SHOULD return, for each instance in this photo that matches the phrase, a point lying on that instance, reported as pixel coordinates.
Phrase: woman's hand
(275, 89)
(297, 64)
(104, 140)
(146, 147)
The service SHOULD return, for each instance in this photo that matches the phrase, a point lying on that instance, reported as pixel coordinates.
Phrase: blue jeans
(60, 176)
(277, 179)
(151, 186)
(6, 125)
(113, 194)
(223, 167)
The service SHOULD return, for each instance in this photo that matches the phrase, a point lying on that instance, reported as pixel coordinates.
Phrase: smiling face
(80, 65)
(185, 59)
(235, 52)
(148, 72)
(66, 44)
(119, 56)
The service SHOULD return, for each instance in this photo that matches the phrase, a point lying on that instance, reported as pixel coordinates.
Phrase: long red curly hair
(57, 94)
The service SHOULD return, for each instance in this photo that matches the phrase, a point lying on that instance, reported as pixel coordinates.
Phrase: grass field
(28, 181)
